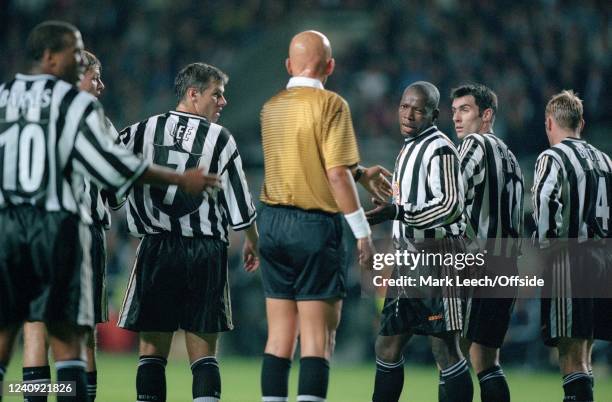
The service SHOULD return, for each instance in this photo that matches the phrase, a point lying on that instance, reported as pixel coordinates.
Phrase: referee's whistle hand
(383, 212)
(195, 181)
(366, 251)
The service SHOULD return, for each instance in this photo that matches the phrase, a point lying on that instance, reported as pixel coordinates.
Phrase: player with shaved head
(311, 166)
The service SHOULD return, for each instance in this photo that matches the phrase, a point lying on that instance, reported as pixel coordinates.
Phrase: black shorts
(178, 282)
(425, 314)
(487, 319)
(582, 317)
(98, 262)
(45, 274)
(302, 255)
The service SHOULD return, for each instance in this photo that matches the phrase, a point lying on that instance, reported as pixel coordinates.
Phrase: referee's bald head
(310, 55)
(429, 91)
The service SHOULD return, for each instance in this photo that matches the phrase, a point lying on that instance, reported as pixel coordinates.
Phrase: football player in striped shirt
(571, 192)
(179, 279)
(427, 212)
(51, 136)
(493, 185)
(35, 347)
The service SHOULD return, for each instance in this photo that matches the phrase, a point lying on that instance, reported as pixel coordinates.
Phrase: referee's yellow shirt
(305, 130)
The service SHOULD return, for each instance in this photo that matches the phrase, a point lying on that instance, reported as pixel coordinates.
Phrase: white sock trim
(310, 398)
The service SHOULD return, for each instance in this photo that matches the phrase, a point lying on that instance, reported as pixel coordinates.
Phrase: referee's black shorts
(178, 282)
(302, 255)
(45, 274)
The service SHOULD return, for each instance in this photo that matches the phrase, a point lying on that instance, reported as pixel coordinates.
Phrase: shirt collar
(189, 115)
(304, 82)
(427, 131)
(34, 77)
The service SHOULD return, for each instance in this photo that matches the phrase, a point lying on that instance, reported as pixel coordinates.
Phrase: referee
(571, 194)
(179, 279)
(51, 135)
(427, 208)
(493, 185)
(310, 151)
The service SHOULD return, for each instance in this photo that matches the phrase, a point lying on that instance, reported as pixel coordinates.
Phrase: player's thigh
(200, 345)
(318, 321)
(282, 317)
(445, 348)
(155, 343)
(35, 345)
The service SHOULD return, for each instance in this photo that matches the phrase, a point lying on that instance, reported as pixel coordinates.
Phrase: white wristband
(358, 223)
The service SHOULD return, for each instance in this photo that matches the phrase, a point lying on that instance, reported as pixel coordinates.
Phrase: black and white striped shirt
(493, 185)
(427, 188)
(52, 136)
(571, 193)
(181, 141)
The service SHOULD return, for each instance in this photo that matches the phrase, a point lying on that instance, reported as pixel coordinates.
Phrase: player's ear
(548, 123)
(48, 60)
(487, 115)
(435, 114)
(581, 126)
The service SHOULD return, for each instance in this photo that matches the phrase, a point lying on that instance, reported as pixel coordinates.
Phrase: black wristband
(358, 173)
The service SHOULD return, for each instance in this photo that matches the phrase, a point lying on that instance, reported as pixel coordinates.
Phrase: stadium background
(524, 50)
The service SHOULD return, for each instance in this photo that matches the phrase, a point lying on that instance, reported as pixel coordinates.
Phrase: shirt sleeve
(338, 142)
(235, 196)
(472, 162)
(445, 205)
(95, 154)
(547, 206)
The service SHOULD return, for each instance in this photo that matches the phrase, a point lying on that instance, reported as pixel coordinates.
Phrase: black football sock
(92, 385)
(313, 381)
(206, 379)
(36, 375)
(457, 382)
(441, 390)
(275, 378)
(151, 379)
(389, 381)
(72, 370)
(577, 387)
(493, 385)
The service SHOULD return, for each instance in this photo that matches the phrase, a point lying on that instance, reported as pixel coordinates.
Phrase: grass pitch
(348, 383)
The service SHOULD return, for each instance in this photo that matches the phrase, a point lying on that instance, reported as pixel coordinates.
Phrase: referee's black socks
(457, 383)
(206, 379)
(92, 384)
(314, 378)
(493, 385)
(36, 375)
(275, 378)
(151, 379)
(389, 381)
(578, 387)
(72, 370)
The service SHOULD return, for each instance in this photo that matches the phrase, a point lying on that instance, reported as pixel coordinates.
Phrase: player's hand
(374, 180)
(195, 181)
(384, 211)
(366, 250)
(250, 257)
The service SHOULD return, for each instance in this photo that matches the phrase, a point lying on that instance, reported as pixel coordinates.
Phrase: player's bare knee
(483, 357)
(388, 349)
(446, 349)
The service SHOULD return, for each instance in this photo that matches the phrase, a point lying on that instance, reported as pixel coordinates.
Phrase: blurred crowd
(525, 50)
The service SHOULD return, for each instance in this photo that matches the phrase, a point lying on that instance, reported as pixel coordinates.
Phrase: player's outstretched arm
(374, 180)
(192, 181)
(343, 188)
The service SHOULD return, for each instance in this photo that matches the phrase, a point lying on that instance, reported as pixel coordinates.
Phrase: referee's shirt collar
(427, 131)
(304, 82)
